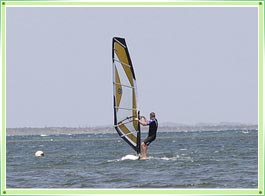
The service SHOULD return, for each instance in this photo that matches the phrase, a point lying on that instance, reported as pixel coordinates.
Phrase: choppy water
(224, 159)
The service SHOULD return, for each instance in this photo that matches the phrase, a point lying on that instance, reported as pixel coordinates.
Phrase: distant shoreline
(110, 129)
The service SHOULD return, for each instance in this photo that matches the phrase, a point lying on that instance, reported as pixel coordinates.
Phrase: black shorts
(149, 139)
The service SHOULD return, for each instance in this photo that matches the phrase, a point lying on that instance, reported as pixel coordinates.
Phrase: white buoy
(39, 154)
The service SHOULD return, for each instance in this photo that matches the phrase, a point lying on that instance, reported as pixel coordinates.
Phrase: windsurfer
(153, 124)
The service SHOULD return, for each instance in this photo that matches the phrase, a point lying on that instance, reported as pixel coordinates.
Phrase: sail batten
(126, 108)
(123, 85)
(122, 63)
(124, 94)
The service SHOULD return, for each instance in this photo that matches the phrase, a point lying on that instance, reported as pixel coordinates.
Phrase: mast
(139, 136)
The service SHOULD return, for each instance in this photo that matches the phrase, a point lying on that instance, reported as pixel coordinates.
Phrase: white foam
(115, 160)
(165, 158)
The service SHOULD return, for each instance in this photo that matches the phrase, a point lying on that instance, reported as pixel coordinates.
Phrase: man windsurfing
(153, 124)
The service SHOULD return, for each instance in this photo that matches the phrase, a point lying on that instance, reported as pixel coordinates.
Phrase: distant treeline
(170, 127)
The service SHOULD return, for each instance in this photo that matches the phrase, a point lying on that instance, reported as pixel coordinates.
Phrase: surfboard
(130, 157)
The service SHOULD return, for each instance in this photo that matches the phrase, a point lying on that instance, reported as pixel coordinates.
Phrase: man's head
(152, 115)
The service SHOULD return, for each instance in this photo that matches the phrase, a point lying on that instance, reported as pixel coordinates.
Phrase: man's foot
(143, 158)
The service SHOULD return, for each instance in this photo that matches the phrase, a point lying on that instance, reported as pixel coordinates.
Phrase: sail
(125, 95)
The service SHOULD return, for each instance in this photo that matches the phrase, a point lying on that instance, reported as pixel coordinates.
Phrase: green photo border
(258, 191)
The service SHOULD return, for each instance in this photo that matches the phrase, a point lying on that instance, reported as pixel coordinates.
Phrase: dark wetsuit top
(153, 124)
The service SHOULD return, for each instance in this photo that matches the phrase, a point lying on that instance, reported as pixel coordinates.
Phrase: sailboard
(125, 104)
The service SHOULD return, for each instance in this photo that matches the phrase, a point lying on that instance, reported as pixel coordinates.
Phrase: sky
(192, 64)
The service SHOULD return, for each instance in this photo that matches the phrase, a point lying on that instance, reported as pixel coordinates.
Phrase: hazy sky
(192, 64)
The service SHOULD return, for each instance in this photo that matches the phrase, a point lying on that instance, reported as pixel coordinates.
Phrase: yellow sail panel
(127, 133)
(123, 58)
(121, 53)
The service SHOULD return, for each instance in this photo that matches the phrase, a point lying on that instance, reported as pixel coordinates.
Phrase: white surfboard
(130, 157)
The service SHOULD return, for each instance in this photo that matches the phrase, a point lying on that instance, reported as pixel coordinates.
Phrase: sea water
(212, 159)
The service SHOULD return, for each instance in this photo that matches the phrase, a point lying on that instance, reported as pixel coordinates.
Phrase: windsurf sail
(125, 95)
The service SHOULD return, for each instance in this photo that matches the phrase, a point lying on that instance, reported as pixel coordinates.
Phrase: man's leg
(144, 150)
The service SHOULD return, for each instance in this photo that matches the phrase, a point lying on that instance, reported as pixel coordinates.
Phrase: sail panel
(127, 133)
(122, 56)
(118, 87)
(124, 71)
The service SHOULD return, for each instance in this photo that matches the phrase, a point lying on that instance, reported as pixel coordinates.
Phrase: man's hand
(144, 118)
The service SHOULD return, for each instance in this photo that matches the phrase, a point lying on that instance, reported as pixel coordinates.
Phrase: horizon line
(163, 124)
